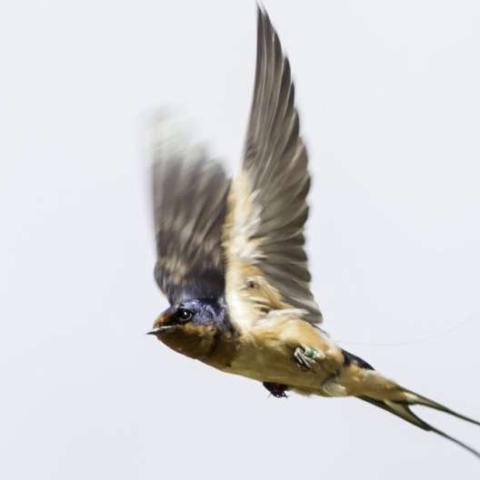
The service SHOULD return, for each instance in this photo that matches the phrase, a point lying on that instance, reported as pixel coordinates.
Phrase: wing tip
(262, 12)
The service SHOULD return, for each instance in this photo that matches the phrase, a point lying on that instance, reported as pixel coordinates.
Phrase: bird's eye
(184, 314)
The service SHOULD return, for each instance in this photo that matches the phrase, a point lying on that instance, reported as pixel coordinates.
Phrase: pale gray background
(390, 100)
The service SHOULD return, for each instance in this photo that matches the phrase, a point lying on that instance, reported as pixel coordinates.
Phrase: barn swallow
(232, 263)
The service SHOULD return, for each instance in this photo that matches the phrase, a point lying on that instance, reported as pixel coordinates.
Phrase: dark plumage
(198, 311)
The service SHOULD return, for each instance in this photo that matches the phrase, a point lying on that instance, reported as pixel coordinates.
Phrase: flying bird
(232, 263)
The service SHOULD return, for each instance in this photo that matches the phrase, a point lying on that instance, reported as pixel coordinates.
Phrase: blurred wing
(189, 200)
(264, 240)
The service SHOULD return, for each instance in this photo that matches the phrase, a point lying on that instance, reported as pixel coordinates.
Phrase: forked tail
(402, 409)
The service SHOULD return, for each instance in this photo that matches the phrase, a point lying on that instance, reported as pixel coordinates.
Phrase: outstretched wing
(264, 240)
(189, 200)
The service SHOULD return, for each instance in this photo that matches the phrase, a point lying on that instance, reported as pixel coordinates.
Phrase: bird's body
(265, 353)
(231, 258)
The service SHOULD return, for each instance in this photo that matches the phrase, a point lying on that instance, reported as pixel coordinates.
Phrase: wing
(189, 200)
(264, 240)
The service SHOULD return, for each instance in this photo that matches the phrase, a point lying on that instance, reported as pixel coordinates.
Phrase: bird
(232, 262)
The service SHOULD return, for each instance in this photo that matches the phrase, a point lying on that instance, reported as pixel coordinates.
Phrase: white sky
(390, 101)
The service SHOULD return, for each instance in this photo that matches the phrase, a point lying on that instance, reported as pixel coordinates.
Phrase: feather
(267, 202)
(189, 198)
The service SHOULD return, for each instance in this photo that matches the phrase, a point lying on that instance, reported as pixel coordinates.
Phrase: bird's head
(190, 326)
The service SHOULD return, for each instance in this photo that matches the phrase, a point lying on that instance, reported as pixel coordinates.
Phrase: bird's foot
(306, 357)
(276, 389)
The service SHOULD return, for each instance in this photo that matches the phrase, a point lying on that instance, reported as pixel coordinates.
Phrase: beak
(161, 323)
(157, 330)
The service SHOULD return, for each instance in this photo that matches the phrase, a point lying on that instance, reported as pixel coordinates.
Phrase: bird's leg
(276, 389)
(306, 357)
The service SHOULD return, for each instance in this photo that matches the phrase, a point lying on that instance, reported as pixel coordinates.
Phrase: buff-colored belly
(268, 358)
(268, 368)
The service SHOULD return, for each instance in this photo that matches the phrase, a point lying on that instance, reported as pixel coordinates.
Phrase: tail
(402, 409)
